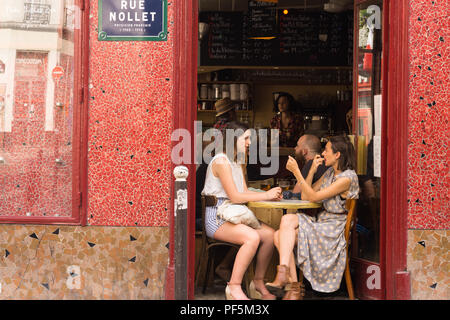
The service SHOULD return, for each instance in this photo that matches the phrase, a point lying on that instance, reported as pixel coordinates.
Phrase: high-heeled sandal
(228, 295)
(255, 294)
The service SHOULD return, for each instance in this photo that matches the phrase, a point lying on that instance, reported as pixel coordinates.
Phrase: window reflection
(368, 127)
(36, 106)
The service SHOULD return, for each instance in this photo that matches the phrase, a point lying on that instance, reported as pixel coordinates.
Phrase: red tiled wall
(130, 119)
(429, 100)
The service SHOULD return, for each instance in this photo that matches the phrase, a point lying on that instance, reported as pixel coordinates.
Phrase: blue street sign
(132, 20)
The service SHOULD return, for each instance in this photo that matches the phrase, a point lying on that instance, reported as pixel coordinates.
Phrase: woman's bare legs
(263, 257)
(249, 239)
(292, 266)
(285, 239)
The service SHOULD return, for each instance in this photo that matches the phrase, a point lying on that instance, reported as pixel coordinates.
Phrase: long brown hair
(234, 125)
(343, 145)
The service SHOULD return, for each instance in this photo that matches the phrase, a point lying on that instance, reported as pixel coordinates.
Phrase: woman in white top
(225, 180)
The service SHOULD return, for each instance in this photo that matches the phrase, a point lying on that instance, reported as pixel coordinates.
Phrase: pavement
(217, 292)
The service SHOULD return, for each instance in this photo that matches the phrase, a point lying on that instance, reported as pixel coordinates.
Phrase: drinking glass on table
(284, 185)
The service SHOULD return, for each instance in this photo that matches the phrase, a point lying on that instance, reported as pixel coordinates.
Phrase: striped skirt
(212, 223)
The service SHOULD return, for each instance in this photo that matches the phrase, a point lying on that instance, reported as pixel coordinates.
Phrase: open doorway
(250, 52)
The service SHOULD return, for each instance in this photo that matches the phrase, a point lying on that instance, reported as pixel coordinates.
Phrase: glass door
(367, 122)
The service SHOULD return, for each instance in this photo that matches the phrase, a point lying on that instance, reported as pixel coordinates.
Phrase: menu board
(265, 36)
(223, 44)
(313, 38)
(260, 22)
(262, 19)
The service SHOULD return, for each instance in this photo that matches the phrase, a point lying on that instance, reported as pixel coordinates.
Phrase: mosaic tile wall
(130, 119)
(428, 183)
(429, 133)
(428, 262)
(61, 262)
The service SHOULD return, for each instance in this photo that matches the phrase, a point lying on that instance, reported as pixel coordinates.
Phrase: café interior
(253, 51)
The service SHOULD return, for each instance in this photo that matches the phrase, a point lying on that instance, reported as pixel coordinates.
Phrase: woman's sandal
(228, 295)
(255, 294)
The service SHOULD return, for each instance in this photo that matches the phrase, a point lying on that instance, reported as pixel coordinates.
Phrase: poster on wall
(132, 20)
(377, 156)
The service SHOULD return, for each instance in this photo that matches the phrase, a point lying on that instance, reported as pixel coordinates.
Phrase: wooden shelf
(214, 100)
(211, 111)
(206, 69)
(223, 82)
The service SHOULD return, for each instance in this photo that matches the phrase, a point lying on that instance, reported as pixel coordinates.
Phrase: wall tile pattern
(130, 122)
(429, 132)
(67, 262)
(428, 262)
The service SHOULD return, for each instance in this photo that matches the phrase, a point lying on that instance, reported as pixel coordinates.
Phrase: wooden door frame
(394, 208)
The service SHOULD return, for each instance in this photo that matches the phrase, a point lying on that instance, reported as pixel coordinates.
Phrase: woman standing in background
(288, 120)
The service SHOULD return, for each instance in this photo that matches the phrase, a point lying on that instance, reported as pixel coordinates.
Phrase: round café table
(284, 204)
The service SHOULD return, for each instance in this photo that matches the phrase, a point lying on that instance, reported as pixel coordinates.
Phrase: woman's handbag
(237, 213)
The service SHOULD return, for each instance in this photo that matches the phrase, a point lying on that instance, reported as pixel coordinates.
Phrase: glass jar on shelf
(225, 91)
(204, 91)
(217, 91)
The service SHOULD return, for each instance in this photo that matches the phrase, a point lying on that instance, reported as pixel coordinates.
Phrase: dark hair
(312, 142)
(233, 125)
(293, 105)
(343, 145)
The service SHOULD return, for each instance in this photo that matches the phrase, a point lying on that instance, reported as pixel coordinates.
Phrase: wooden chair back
(350, 205)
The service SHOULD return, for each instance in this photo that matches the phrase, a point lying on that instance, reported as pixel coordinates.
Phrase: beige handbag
(237, 213)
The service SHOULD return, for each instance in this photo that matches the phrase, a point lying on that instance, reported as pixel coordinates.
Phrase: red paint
(368, 279)
(394, 220)
(185, 95)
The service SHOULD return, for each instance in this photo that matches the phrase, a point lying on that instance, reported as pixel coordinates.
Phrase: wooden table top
(284, 204)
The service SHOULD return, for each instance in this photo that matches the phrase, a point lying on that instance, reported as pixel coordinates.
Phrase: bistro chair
(207, 252)
(351, 217)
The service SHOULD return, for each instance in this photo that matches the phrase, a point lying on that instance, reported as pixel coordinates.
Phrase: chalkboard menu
(265, 36)
(261, 19)
(310, 38)
(223, 44)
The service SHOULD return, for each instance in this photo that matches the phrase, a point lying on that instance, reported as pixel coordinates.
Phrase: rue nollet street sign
(132, 20)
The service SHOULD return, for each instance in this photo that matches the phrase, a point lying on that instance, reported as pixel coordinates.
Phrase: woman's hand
(292, 165)
(317, 161)
(274, 194)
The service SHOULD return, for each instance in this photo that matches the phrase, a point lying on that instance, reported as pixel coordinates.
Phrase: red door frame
(395, 230)
(394, 210)
(395, 282)
(185, 113)
(80, 131)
